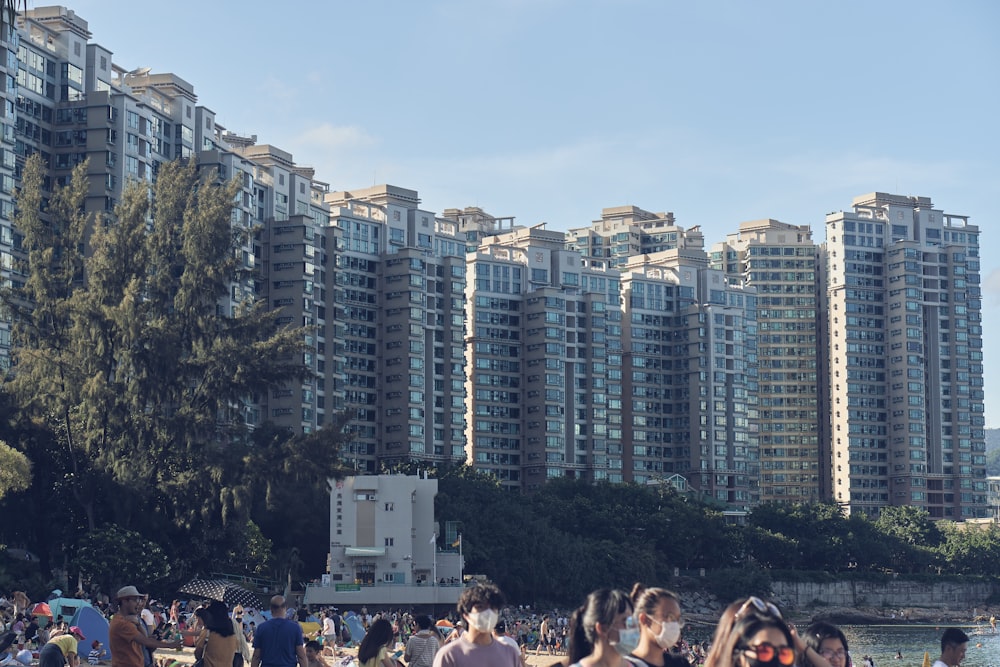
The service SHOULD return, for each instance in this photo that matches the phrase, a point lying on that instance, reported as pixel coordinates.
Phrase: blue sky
(550, 110)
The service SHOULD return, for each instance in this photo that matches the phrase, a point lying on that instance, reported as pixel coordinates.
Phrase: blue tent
(94, 626)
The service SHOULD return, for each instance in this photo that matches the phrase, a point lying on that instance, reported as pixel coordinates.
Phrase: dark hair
(820, 631)
(423, 621)
(378, 635)
(216, 618)
(953, 636)
(480, 595)
(739, 622)
(601, 607)
(314, 645)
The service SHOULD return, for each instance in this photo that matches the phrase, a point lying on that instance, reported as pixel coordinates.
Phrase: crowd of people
(612, 628)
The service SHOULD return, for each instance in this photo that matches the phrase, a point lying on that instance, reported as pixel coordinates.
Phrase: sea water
(882, 642)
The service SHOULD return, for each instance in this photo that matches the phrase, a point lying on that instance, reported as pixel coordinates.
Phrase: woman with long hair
(603, 631)
(752, 633)
(217, 643)
(374, 649)
(658, 612)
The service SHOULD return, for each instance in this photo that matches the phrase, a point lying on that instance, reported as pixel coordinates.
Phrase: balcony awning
(364, 551)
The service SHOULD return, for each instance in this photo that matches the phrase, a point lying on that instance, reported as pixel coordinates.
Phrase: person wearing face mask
(752, 633)
(603, 632)
(658, 612)
(477, 647)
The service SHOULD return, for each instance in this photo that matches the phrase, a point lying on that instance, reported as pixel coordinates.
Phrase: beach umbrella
(42, 609)
(221, 590)
(445, 623)
(927, 659)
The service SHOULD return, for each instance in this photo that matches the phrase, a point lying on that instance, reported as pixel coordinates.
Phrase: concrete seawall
(943, 596)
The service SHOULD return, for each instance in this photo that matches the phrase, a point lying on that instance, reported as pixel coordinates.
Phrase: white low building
(384, 546)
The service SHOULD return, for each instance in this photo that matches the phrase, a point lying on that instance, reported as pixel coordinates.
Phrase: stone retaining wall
(894, 594)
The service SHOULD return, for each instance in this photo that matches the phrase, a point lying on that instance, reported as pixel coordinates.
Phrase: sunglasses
(766, 653)
(760, 605)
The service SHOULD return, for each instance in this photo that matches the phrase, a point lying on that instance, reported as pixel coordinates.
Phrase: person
(658, 612)
(480, 607)
(313, 652)
(24, 655)
(825, 645)
(500, 632)
(899, 655)
(125, 639)
(423, 645)
(217, 645)
(751, 633)
(62, 650)
(329, 632)
(278, 642)
(7, 651)
(543, 637)
(954, 642)
(96, 652)
(374, 649)
(242, 656)
(993, 623)
(603, 632)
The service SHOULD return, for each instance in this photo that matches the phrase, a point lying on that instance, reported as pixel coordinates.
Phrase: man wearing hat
(62, 650)
(125, 639)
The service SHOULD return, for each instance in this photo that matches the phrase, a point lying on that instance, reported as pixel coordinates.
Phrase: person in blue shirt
(279, 642)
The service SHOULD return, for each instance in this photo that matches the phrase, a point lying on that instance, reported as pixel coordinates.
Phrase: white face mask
(484, 621)
(670, 632)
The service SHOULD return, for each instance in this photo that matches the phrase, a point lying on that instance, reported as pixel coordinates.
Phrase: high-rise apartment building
(544, 361)
(906, 360)
(398, 327)
(690, 375)
(779, 261)
(624, 231)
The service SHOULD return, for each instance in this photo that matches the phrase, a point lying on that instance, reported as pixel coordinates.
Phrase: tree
(913, 537)
(121, 352)
(15, 470)
(112, 556)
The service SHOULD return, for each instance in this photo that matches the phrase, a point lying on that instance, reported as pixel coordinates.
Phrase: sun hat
(77, 631)
(128, 592)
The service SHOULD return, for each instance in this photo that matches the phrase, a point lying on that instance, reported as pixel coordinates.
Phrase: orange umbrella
(42, 609)
(445, 623)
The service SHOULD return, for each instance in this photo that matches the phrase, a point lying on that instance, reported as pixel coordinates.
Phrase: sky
(551, 110)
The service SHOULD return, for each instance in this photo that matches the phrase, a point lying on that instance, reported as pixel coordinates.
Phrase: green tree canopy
(123, 355)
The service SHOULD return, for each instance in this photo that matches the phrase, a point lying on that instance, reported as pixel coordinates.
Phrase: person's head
(604, 619)
(423, 621)
(129, 600)
(216, 618)
(96, 644)
(953, 645)
(659, 614)
(480, 607)
(751, 633)
(378, 635)
(278, 606)
(829, 642)
(77, 632)
(501, 628)
(313, 649)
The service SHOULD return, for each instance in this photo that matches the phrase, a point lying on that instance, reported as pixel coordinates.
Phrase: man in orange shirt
(125, 639)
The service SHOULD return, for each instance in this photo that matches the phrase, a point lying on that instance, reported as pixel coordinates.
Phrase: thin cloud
(329, 137)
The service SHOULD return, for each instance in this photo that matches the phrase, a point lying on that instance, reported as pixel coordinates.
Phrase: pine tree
(120, 347)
